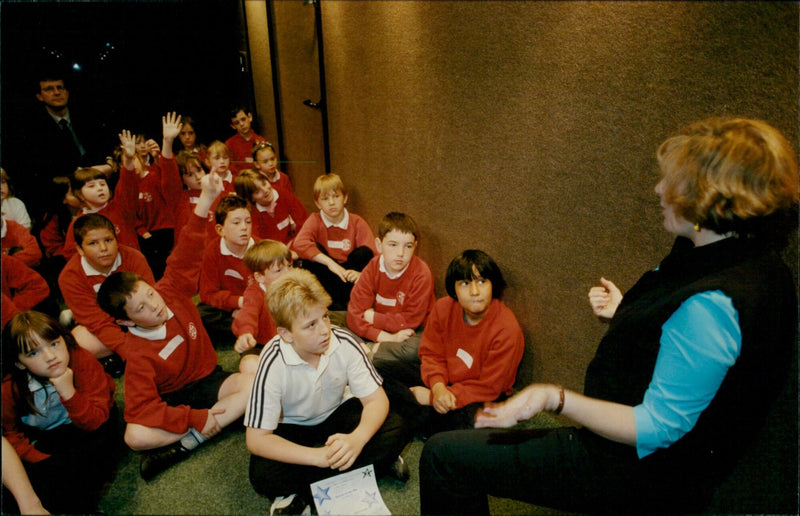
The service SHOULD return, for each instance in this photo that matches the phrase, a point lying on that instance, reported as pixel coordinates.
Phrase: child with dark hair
(90, 185)
(58, 413)
(469, 352)
(241, 143)
(277, 214)
(176, 396)
(159, 187)
(223, 274)
(394, 295)
(188, 138)
(99, 255)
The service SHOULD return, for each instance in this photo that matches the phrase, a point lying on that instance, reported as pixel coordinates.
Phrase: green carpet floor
(214, 479)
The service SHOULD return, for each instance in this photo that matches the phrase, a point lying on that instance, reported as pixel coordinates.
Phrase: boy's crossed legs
(224, 394)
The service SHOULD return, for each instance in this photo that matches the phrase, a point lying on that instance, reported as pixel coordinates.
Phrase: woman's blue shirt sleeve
(699, 343)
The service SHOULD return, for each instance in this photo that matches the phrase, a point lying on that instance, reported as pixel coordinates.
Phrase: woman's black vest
(761, 288)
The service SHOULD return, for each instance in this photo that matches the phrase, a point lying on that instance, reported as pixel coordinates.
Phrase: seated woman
(694, 355)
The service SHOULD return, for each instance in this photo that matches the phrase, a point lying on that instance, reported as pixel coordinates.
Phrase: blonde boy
(334, 244)
(302, 422)
(253, 325)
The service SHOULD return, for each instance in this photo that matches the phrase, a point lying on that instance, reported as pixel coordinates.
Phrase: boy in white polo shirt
(303, 425)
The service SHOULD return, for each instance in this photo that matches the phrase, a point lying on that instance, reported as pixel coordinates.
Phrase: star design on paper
(370, 498)
(321, 494)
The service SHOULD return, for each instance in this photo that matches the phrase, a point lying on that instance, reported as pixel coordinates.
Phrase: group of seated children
(316, 399)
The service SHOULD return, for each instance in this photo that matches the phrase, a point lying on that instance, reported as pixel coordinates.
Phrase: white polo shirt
(287, 389)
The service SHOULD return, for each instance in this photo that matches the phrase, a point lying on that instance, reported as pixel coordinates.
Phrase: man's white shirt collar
(329, 223)
(159, 333)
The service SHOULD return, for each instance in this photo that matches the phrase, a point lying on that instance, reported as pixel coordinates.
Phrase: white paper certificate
(352, 492)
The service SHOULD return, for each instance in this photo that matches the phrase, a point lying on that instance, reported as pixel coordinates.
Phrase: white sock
(192, 440)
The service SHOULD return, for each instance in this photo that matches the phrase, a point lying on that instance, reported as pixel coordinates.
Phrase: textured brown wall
(528, 129)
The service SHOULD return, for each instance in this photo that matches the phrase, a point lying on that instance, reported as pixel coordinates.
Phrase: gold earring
(697, 227)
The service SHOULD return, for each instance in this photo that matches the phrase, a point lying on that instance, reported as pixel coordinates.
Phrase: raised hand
(171, 125)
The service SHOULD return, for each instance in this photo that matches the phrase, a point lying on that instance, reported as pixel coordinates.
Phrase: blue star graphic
(320, 494)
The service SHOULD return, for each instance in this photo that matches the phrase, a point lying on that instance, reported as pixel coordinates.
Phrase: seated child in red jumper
(23, 287)
(90, 185)
(334, 244)
(265, 162)
(218, 161)
(176, 396)
(99, 255)
(223, 275)
(241, 143)
(18, 241)
(159, 187)
(268, 260)
(188, 138)
(58, 414)
(192, 170)
(277, 214)
(391, 300)
(470, 351)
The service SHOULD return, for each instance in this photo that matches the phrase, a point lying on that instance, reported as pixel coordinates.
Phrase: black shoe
(399, 470)
(291, 504)
(113, 365)
(155, 461)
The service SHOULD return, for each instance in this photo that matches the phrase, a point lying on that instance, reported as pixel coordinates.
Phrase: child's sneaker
(155, 461)
(291, 504)
(399, 470)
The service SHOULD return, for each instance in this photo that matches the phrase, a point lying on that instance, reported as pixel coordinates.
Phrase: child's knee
(135, 438)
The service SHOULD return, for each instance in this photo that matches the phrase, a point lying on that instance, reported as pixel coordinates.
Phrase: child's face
(397, 249)
(310, 335)
(3, 189)
(236, 228)
(99, 247)
(220, 162)
(141, 146)
(266, 162)
(264, 194)
(332, 204)
(241, 123)
(45, 359)
(273, 272)
(145, 307)
(187, 136)
(95, 193)
(193, 175)
(474, 296)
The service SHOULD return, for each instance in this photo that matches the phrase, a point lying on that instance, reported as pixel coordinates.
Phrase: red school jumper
(476, 363)
(400, 302)
(121, 210)
(79, 283)
(338, 242)
(241, 150)
(179, 352)
(254, 317)
(223, 276)
(280, 221)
